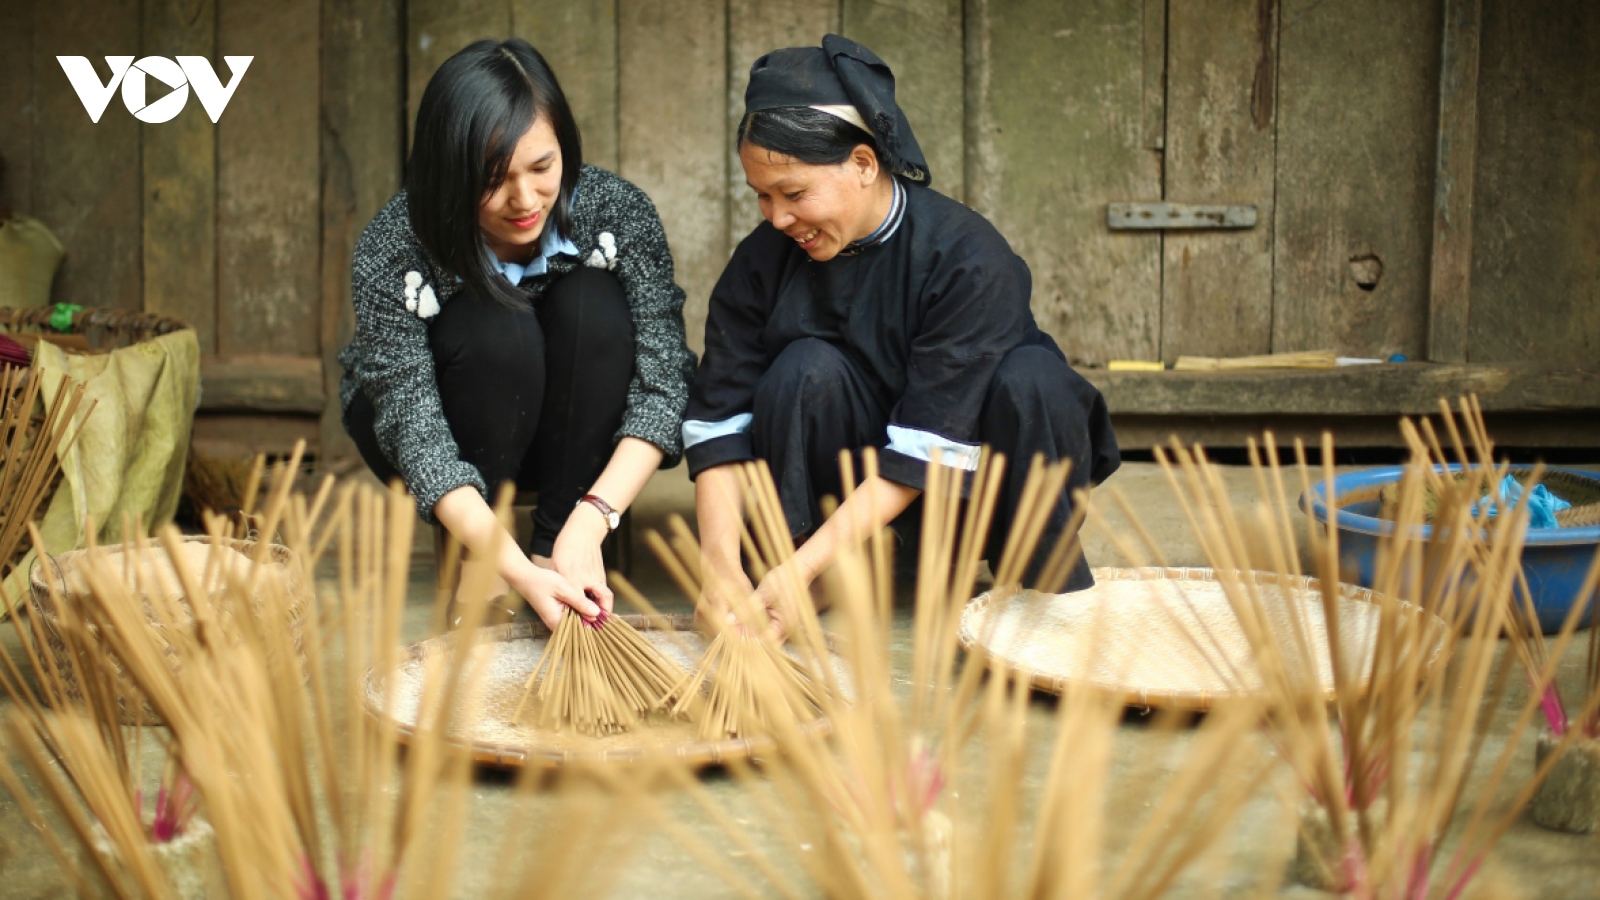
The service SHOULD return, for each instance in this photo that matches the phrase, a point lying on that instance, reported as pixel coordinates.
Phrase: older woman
(867, 311)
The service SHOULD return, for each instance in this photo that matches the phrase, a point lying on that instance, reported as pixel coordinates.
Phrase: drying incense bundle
(598, 677)
(31, 450)
(1307, 359)
(753, 684)
(896, 805)
(1395, 806)
(750, 682)
(304, 794)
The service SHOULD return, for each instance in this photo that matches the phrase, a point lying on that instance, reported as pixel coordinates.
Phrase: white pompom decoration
(427, 303)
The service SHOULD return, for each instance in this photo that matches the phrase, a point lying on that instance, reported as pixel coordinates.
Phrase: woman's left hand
(778, 594)
(577, 553)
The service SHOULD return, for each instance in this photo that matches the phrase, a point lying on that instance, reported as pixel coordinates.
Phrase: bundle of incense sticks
(299, 791)
(1306, 359)
(302, 792)
(598, 677)
(1393, 775)
(1480, 472)
(895, 806)
(31, 450)
(750, 681)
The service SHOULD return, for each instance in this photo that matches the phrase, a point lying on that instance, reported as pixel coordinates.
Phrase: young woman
(516, 320)
(867, 311)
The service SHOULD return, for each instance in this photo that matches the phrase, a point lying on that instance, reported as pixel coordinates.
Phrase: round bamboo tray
(513, 651)
(70, 585)
(1166, 637)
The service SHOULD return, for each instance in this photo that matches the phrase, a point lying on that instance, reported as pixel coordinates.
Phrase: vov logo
(188, 71)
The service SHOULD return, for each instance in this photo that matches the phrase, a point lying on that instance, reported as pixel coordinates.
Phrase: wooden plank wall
(673, 132)
(1056, 95)
(86, 175)
(362, 136)
(1221, 147)
(1536, 231)
(243, 227)
(269, 183)
(1036, 112)
(180, 177)
(1357, 124)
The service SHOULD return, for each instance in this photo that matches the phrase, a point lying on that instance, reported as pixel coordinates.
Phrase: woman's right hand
(550, 593)
(724, 587)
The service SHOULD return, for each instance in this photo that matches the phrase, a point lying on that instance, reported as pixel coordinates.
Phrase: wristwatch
(613, 518)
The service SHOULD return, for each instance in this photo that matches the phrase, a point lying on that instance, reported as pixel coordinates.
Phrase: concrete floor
(1529, 861)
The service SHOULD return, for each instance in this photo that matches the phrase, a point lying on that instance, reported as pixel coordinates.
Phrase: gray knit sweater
(397, 288)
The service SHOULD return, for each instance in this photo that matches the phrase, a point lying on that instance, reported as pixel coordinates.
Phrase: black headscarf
(840, 73)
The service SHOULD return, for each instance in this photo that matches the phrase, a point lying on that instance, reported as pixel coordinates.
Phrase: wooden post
(1449, 290)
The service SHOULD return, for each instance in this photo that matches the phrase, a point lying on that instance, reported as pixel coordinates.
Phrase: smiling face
(513, 216)
(822, 207)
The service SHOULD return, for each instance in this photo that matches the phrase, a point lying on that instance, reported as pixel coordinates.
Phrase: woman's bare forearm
(470, 520)
(872, 505)
(631, 465)
(720, 513)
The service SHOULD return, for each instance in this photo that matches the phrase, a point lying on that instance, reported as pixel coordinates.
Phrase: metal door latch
(1154, 216)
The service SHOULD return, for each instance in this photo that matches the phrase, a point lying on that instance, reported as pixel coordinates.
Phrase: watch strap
(612, 516)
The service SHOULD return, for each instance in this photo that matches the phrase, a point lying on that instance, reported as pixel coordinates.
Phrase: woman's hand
(465, 514)
(724, 588)
(550, 594)
(777, 594)
(577, 553)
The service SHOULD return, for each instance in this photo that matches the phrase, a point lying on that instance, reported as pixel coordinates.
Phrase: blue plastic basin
(1554, 560)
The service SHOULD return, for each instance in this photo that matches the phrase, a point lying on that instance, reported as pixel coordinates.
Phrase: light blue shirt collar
(550, 244)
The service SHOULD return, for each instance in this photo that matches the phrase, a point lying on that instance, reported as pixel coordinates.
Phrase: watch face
(613, 519)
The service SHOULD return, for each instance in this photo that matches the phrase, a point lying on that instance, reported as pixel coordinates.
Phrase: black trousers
(533, 396)
(813, 403)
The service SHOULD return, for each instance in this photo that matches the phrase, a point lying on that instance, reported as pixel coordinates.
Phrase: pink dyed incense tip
(1554, 712)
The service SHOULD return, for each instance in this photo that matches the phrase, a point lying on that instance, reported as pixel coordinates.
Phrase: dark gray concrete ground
(1250, 861)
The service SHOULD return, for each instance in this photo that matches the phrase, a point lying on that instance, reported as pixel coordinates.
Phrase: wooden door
(1321, 117)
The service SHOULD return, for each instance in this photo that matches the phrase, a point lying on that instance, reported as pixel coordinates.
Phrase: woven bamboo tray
(1164, 637)
(91, 329)
(67, 572)
(512, 652)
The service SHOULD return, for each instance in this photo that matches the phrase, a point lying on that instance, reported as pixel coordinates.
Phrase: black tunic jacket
(926, 316)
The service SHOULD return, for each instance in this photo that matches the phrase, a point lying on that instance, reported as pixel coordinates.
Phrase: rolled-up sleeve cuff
(428, 491)
(905, 461)
(709, 454)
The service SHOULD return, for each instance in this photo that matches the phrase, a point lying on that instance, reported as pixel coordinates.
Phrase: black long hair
(809, 135)
(473, 112)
